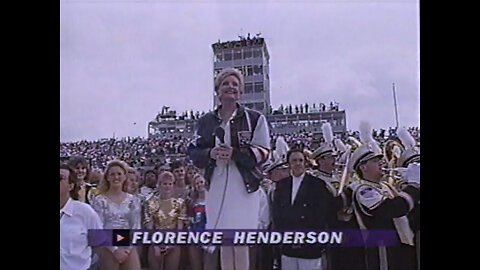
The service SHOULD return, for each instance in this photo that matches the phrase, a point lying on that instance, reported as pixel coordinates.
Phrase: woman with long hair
(118, 210)
(82, 171)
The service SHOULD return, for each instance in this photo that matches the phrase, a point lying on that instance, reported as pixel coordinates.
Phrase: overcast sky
(121, 61)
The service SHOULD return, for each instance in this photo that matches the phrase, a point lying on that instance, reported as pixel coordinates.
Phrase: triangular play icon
(120, 238)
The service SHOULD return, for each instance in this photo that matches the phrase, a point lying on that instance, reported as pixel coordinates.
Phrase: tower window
(227, 56)
(237, 54)
(248, 88)
(258, 87)
(247, 53)
(257, 53)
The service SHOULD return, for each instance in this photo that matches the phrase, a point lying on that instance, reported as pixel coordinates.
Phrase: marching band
(380, 190)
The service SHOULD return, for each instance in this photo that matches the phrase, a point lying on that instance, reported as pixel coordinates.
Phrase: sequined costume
(164, 213)
(125, 215)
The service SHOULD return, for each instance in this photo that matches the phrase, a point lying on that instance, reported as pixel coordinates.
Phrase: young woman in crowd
(82, 171)
(118, 210)
(133, 181)
(76, 218)
(190, 172)
(197, 219)
(165, 212)
(181, 188)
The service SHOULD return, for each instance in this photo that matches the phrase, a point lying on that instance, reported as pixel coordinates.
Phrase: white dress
(229, 205)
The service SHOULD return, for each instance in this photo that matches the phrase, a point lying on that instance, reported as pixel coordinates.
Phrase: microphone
(220, 134)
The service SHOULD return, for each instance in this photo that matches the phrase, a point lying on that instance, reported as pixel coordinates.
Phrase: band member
(410, 161)
(324, 157)
(330, 158)
(379, 205)
(302, 202)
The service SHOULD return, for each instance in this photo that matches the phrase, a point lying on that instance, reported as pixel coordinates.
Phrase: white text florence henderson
(240, 237)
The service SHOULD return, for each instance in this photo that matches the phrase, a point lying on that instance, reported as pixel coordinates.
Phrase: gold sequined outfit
(164, 214)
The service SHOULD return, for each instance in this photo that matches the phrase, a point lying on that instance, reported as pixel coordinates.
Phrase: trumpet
(401, 174)
(395, 175)
(399, 170)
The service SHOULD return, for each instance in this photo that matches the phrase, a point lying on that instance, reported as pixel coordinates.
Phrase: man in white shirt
(76, 218)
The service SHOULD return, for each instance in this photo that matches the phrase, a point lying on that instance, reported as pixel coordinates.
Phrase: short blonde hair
(165, 174)
(224, 74)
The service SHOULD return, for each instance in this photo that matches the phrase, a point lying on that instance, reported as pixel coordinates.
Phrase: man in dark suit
(302, 202)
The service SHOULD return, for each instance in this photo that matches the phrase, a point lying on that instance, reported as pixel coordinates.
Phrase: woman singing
(231, 142)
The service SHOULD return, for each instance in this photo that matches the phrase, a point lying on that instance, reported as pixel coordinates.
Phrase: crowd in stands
(144, 152)
(135, 151)
(306, 108)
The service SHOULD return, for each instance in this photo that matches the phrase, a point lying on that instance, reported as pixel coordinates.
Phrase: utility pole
(395, 105)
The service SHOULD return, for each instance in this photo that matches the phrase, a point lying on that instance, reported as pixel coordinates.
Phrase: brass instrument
(395, 177)
(344, 180)
(400, 175)
(342, 167)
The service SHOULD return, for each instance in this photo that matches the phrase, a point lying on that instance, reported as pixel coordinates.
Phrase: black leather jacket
(244, 158)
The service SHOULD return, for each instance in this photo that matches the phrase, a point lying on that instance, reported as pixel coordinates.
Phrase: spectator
(132, 184)
(150, 185)
(82, 171)
(76, 218)
(181, 189)
(198, 219)
(191, 171)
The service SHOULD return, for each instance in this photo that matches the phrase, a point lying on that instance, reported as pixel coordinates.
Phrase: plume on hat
(406, 138)
(345, 150)
(366, 136)
(281, 149)
(327, 133)
(365, 132)
(340, 145)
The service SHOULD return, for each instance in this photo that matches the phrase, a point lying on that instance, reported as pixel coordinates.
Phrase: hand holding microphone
(222, 151)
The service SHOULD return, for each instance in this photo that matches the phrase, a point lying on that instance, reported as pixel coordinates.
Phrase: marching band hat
(411, 152)
(323, 150)
(327, 148)
(275, 165)
(408, 156)
(362, 154)
(369, 148)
